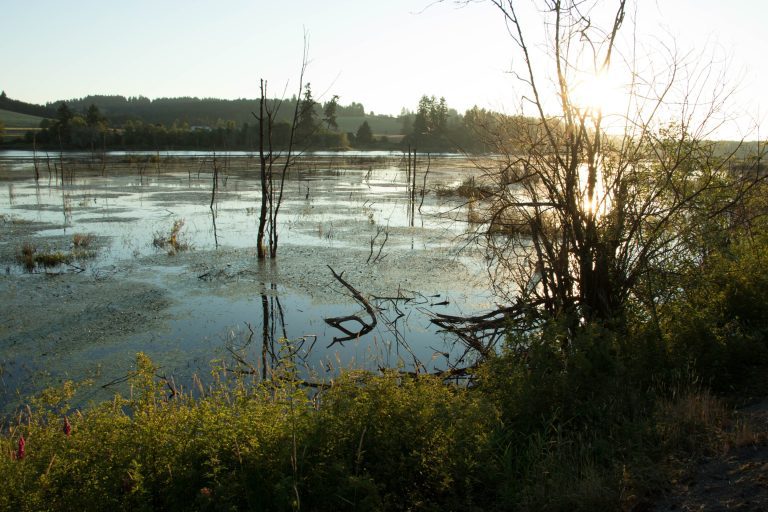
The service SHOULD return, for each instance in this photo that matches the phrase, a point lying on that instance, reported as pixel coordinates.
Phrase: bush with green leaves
(719, 322)
(386, 442)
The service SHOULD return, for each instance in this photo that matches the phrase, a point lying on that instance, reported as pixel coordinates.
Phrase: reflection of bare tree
(272, 327)
(276, 349)
(215, 232)
(66, 202)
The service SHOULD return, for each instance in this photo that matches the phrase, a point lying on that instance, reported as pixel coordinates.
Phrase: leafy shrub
(374, 443)
(720, 324)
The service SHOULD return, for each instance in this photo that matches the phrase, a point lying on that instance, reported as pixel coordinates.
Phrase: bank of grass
(17, 120)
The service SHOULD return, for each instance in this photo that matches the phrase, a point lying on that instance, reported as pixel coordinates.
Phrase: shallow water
(218, 293)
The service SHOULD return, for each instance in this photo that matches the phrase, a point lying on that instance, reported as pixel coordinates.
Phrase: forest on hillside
(119, 122)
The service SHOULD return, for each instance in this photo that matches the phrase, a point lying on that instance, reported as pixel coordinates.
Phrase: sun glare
(601, 92)
(600, 203)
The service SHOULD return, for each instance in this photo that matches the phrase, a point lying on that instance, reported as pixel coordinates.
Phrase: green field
(380, 125)
(16, 120)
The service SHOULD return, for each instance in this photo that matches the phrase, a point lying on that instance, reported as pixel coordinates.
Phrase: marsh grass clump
(26, 255)
(31, 256)
(174, 242)
(82, 240)
(53, 258)
(468, 189)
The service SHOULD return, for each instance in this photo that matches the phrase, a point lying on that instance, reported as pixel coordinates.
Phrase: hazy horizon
(383, 55)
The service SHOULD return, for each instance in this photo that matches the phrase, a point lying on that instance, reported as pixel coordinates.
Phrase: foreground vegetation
(638, 303)
(599, 427)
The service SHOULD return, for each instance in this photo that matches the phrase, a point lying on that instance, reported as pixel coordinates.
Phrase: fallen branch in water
(337, 322)
(482, 332)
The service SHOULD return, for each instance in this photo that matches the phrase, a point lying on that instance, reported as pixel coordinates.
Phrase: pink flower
(67, 426)
(21, 452)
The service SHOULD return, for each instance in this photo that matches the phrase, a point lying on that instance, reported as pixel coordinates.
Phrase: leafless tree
(269, 158)
(587, 203)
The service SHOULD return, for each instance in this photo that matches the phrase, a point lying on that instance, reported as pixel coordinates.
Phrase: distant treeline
(113, 122)
(117, 122)
(22, 107)
(191, 111)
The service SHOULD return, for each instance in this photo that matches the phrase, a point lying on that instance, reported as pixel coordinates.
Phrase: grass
(361, 442)
(16, 120)
(30, 256)
(467, 189)
(174, 242)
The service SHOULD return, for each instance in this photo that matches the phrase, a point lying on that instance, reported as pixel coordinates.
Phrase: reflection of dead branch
(297, 351)
(379, 230)
(481, 332)
(424, 184)
(241, 361)
(450, 373)
(338, 321)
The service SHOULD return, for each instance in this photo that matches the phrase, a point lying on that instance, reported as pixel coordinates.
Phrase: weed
(371, 443)
(468, 189)
(82, 240)
(30, 256)
(173, 242)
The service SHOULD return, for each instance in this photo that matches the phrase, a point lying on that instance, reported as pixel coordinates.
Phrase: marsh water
(213, 303)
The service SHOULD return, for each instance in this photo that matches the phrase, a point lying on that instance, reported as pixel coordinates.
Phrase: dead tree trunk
(34, 157)
(215, 180)
(260, 251)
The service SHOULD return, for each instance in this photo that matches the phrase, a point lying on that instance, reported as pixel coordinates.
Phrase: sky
(383, 54)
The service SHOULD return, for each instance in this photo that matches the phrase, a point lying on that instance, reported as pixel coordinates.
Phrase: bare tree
(269, 157)
(581, 215)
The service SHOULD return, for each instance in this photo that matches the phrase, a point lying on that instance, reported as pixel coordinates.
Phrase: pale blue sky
(384, 54)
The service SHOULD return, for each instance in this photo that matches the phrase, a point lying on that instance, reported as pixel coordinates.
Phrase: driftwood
(481, 332)
(365, 327)
(450, 373)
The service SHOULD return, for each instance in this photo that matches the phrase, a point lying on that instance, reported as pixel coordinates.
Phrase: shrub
(374, 443)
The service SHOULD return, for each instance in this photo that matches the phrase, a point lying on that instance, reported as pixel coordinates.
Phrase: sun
(601, 93)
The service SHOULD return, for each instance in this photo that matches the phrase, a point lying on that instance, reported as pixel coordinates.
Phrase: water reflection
(367, 217)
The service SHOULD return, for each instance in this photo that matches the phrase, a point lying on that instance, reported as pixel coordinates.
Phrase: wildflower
(206, 491)
(21, 452)
(67, 426)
